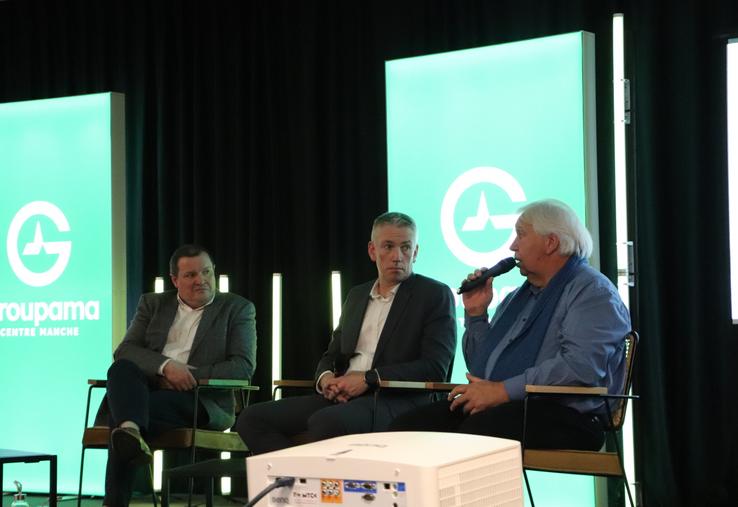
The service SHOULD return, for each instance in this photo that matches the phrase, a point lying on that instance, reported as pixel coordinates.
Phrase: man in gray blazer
(175, 338)
(398, 327)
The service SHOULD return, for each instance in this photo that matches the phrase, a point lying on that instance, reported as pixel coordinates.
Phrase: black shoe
(130, 446)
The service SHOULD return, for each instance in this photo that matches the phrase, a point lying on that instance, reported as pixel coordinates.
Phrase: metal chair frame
(98, 436)
(581, 462)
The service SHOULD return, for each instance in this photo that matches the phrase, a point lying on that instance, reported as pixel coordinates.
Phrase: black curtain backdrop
(258, 129)
(686, 423)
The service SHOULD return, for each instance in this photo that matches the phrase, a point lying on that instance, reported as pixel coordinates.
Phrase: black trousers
(131, 398)
(550, 424)
(272, 425)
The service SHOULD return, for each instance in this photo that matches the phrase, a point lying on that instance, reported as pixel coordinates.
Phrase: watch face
(370, 377)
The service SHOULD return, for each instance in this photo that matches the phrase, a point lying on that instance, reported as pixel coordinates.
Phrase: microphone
(498, 269)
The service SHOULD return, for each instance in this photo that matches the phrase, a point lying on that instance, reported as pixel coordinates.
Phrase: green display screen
(472, 136)
(60, 279)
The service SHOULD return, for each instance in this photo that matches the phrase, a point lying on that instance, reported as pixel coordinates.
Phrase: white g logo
(61, 248)
(472, 177)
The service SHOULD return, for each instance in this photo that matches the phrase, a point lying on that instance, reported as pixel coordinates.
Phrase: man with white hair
(564, 326)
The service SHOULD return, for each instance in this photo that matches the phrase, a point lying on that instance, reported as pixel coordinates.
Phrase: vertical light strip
(158, 455)
(158, 466)
(225, 482)
(336, 297)
(621, 206)
(223, 284)
(276, 329)
(621, 202)
(732, 71)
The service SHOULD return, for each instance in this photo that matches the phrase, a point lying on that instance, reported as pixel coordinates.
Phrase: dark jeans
(550, 425)
(131, 398)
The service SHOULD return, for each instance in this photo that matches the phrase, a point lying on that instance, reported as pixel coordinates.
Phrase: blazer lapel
(355, 318)
(402, 298)
(208, 317)
(167, 312)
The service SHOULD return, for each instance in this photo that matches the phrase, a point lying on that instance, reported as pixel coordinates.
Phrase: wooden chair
(290, 384)
(600, 463)
(98, 435)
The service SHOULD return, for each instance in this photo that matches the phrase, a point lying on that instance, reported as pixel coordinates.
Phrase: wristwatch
(371, 377)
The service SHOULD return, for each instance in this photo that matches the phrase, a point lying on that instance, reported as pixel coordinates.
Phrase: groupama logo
(62, 249)
(483, 217)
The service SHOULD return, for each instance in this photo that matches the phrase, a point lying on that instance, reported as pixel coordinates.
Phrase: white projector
(394, 469)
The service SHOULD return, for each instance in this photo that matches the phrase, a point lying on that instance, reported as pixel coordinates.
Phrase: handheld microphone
(500, 268)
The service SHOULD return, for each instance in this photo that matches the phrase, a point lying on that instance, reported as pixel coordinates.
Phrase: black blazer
(418, 340)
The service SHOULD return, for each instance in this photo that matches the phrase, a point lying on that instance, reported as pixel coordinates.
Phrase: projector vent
(488, 481)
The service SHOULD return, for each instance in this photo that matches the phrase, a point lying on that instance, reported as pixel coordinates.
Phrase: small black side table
(11, 456)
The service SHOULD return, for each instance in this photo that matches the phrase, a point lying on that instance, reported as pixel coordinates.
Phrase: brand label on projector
(304, 495)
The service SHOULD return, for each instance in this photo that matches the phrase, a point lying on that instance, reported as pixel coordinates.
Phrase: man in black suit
(398, 327)
(175, 338)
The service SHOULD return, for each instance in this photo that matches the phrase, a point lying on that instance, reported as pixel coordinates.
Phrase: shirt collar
(185, 306)
(375, 295)
(535, 290)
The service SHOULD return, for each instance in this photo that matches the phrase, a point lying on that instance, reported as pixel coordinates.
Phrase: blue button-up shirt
(583, 345)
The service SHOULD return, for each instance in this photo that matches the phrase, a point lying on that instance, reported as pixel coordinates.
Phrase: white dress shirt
(182, 333)
(375, 317)
(371, 328)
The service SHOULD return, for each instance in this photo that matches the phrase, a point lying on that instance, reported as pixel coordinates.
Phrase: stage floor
(139, 501)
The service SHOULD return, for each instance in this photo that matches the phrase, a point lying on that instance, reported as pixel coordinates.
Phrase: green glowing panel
(472, 136)
(62, 275)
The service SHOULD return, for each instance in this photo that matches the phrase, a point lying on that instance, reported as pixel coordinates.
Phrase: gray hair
(550, 216)
(394, 218)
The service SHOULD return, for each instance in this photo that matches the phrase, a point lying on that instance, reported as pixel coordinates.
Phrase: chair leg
(622, 471)
(522, 450)
(210, 492)
(627, 488)
(191, 480)
(619, 451)
(150, 469)
(81, 471)
(191, 489)
(164, 489)
(527, 486)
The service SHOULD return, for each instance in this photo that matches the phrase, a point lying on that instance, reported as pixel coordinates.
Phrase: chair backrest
(618, 408)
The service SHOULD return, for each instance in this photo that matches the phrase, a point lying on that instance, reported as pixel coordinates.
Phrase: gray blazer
(224, 345)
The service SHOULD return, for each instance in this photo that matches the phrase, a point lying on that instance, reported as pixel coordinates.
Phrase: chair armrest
(301, 384)
(224, 383)
(580, 391)
(383, 384)
(423, 386)
(294, 383)
(589, 391)
(205, 382)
